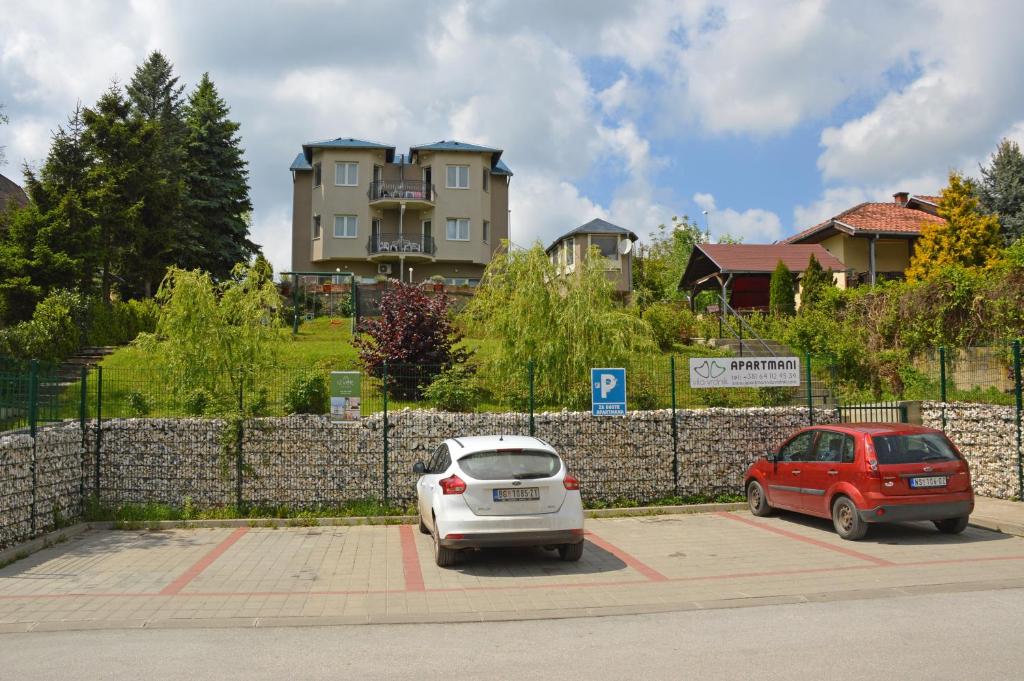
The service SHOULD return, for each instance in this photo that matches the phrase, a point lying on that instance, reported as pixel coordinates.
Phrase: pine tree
(156, 98)
(814, 283)
(968, 238)
(217, 202)
(123, 146)
(782, 300)
(1002, 189)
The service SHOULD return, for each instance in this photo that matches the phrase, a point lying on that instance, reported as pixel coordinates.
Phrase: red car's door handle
(833, 472)
(796, 472)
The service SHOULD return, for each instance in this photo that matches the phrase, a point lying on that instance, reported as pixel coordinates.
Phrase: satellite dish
(625, 246)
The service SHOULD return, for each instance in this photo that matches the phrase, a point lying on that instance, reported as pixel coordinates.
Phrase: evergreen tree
(217, 202)
(1002, 189)
(122, 145)
(782, 300)
(156, 98)
(814, 283)
(968, 237)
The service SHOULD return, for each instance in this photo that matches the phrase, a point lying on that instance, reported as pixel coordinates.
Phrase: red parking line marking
(410, 560)
(807, 540)
(635, 563)
(181, 582)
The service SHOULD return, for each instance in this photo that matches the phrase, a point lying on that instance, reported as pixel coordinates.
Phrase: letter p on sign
(608, 383)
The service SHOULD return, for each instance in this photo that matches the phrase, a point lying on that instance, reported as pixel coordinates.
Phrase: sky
(755, 118)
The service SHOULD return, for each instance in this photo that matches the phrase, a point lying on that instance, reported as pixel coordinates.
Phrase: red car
(863, 473)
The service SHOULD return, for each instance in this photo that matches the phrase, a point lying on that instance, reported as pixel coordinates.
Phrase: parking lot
(250, 577)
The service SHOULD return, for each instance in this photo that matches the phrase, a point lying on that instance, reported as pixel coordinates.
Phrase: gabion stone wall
(15, 489)
(26, 509)
(987, 436)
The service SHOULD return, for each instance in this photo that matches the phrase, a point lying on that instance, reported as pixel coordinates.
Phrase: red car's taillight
(571, 483)
(453, 484)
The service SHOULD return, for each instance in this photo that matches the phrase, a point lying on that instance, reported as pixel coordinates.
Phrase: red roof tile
(765, 257)
(875, 218)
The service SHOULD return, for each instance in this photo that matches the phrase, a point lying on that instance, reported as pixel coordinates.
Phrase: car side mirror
(419, 468)
(771, 457)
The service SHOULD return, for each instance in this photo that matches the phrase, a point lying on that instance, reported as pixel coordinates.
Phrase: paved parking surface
(337, 575)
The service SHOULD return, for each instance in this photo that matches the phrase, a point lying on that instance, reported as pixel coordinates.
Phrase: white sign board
(744, 372)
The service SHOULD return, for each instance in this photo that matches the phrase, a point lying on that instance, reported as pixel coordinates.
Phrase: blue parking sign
(608, 392)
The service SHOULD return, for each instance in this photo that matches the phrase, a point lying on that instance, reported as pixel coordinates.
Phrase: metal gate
(873, 412)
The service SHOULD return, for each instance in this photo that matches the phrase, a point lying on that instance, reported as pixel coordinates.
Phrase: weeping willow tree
(564, 323)
(210, 336)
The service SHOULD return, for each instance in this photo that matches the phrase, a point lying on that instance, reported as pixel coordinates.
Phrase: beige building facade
(357, 206)
(614, 243)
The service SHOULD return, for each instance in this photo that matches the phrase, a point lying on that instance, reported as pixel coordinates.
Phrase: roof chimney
(901, 198)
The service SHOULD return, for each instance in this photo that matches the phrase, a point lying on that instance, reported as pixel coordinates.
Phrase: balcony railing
(401, 244)
(401, 189)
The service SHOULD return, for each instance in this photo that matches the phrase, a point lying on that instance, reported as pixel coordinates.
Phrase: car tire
(443, 557)
(423, 527)
(847, 521)
(951, 525)
(570, 552)
(757, 500)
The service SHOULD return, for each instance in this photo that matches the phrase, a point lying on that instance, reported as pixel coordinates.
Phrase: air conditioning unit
(384, 268)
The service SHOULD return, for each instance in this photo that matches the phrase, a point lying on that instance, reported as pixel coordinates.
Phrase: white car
(498, 490)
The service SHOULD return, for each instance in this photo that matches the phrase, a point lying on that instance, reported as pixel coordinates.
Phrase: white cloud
(544, 207)
(754, 225)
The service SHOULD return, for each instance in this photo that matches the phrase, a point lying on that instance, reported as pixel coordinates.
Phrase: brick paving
(246, 577)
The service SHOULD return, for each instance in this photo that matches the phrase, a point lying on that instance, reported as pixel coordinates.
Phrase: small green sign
(345, 402)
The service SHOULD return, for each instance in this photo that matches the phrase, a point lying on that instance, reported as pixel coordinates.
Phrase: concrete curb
(996, 525)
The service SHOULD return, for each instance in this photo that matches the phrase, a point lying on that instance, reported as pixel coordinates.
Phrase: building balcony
(412, 193)
(383, 247)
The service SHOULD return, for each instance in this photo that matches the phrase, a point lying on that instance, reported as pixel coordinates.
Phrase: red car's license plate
(935, 481)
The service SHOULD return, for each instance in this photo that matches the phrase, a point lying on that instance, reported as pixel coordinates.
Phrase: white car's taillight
(571, 483)
(453, 484)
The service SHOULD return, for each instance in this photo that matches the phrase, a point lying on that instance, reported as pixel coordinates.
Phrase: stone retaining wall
(987, 436)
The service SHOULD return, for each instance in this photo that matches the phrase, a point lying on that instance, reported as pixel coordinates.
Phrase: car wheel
(443, 557)
(423, 526)
(757, 500)
(847, 521)
(951, 525)
(570, 552)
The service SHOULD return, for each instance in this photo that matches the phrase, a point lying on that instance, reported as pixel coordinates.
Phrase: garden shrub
(716, 397)
(775, 396)
(670, 324)
(308, 394)
(137, 404)
(197, 402)
(454, 389)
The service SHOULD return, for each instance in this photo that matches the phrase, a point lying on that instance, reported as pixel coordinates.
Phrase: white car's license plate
(517, 494)
(937, 481)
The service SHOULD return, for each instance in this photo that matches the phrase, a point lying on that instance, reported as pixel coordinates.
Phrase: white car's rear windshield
(510, 465)
(897, 449)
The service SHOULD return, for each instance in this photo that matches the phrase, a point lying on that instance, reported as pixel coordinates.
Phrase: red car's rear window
(913, 448)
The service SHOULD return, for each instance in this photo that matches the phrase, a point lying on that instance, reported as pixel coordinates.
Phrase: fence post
(83, 412)
(675, 427)
(1017, 398)
(810, 391)
(33, 415)
(942, 382)
(385, 388)
(99, 428)
(295, 304)
(238, 439)
(530, 369)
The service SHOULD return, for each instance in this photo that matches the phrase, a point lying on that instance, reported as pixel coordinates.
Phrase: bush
(197, 402)
(775, 396)
(308, 394)
(454, 389)
(671, 324)
(54, 332)
(138, 405)
(120, 322)
(716, 397)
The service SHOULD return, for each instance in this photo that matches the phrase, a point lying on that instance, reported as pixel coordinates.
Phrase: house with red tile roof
(874, 240)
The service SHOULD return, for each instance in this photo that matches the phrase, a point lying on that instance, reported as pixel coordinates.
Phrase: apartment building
(441, 209)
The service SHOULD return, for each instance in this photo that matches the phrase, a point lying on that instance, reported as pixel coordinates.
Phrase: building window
(316, 227)
(345, 226)
(486, 181)
(608, 245)
(570, 251)
(317, 175)
(487, 232)
(458, 177)
(457, 229)
(346, 174)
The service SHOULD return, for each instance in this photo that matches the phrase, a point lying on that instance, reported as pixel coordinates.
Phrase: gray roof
(300, 163)
(346, 143)
(455, 145)
(595, 226)
(10, 191)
